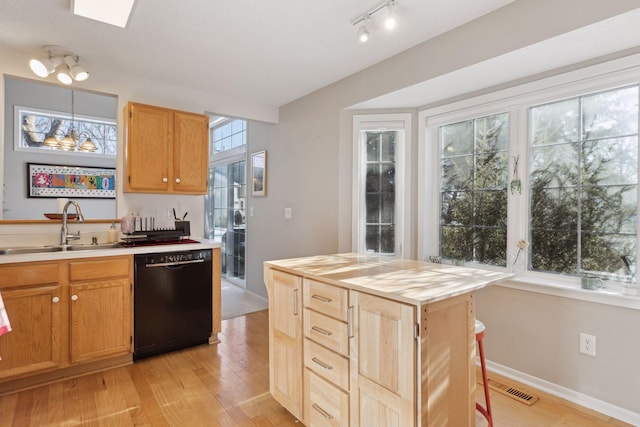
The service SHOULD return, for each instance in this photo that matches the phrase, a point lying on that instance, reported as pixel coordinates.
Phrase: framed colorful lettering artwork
(70, 181)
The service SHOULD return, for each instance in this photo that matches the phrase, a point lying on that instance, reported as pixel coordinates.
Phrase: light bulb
(64, 78)
(390, 23)
(363, 34)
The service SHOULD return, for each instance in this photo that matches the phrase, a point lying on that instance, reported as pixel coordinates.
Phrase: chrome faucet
(64, 233)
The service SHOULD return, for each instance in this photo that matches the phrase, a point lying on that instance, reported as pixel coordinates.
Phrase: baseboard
(566, 394)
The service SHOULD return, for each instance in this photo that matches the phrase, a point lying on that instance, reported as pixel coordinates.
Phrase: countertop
(92, 253)
(413, 282)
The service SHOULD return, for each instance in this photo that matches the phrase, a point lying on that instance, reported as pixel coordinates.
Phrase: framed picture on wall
(45, 180)
(259, 174)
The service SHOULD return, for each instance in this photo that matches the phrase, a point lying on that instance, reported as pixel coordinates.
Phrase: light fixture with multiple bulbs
(364, 19)
(65, 63)
(69, 142)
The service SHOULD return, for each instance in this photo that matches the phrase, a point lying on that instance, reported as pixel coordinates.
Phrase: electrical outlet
(588, 344)
(287, 213)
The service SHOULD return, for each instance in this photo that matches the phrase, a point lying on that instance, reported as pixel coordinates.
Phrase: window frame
(517, 100)
(381, 122)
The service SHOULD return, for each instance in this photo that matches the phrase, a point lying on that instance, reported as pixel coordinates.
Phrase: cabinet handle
(322, 411)
(321, 298)
(321, 331)
(164, 179)
(321, 363)
(55, 299)
(349, 322)
(295, 302)
(74, 297)
(177, 180)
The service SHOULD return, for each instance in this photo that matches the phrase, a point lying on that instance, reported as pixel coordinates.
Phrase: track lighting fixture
(365, 18)
(363, 31)
(66, 63)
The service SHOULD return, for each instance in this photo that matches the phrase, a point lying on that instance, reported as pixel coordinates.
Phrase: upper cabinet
(167, 150)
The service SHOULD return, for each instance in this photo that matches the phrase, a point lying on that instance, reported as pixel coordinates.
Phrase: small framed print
(259, 174)
(70, 181)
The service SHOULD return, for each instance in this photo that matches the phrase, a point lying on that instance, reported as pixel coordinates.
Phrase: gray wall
(33, 94)
(311, 171)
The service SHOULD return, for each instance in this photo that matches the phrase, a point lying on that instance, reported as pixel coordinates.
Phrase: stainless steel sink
(93, 247)
(56, 248)
(29, 250)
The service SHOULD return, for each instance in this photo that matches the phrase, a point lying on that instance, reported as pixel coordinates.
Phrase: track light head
(363, 33)
(390, 22)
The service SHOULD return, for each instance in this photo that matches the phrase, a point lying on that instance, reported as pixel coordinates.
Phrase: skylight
(114, 12)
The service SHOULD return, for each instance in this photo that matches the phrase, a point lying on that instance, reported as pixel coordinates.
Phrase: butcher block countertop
(413, 282)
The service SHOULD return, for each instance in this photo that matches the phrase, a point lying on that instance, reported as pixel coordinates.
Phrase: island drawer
(327, 331)
(326, 363)
(326, 299)
(325, 405)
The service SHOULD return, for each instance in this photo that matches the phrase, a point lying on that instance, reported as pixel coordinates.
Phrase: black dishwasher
(172, 301)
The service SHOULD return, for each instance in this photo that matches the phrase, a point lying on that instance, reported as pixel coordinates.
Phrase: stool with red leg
(484, 410)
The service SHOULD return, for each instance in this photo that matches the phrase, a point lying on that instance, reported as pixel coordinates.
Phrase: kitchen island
(366, 340)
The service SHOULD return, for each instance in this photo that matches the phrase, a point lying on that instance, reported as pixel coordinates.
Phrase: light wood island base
(372, 341)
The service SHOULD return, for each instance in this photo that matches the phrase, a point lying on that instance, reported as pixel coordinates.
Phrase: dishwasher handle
(172, 264)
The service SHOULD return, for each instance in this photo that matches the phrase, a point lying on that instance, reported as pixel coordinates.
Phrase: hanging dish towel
(5, 326)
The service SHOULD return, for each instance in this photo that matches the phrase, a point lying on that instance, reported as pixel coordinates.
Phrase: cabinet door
(34, 343)
(148, 142)
(383, 362)
(100, 319)
(190, 153)
(285, 333)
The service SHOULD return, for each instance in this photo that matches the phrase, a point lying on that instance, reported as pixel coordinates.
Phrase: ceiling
(269, 52)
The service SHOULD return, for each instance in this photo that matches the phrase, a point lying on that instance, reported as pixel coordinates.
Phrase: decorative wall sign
(70, 181)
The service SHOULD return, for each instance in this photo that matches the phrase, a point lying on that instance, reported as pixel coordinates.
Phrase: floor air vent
(512, 392)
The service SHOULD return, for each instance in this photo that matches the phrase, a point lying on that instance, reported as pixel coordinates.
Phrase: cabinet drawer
(99, 268)
(27, 275)
(327, 331)
(325, 405)
(326, 299)
(327, 364)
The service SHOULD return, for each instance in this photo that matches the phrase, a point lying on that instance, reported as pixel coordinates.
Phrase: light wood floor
(218, 385)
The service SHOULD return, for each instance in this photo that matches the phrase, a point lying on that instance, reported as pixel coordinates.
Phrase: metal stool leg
(486, 412)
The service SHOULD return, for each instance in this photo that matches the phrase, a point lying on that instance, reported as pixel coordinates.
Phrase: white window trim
(378, 122)
(516, 100)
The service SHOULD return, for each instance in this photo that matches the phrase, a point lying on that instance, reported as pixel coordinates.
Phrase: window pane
(380, 191)
(473, 196)
(584, 194)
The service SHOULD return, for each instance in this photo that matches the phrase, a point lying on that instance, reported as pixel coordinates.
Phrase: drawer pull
(295, 302)
(322, 411)
(321, 363)
(321, 298)
(349, 322)
(321, 331)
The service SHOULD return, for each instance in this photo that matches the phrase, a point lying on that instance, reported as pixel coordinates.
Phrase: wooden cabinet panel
(99, 268)
(148, 144)
(326, 299)
(33, 345)
(285, 332)
(100, 319)
(327, 331)
(167, 151)
(19, 275)
(383, 362)
(190, 155)
(327, 364)
(325, 404)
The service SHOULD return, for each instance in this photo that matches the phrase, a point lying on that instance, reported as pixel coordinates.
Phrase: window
(381, 183)
(226, 201)
(35, 125)
(473, 192)
(583, 182)
(541, 179)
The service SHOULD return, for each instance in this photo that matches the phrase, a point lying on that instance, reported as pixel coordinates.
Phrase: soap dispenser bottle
(113, 233)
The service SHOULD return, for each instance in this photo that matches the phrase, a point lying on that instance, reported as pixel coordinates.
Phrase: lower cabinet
(64, 314)
(367, 360)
